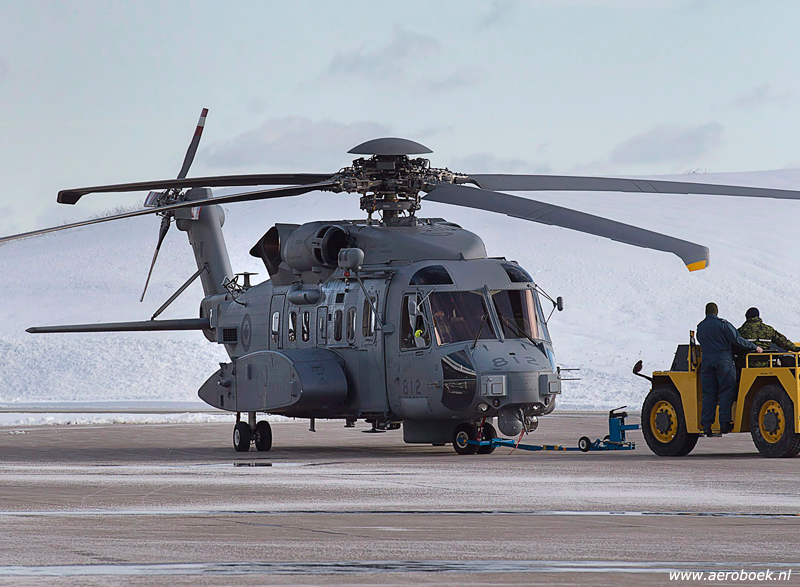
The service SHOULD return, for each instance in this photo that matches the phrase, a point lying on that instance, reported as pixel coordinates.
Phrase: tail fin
(203, 226)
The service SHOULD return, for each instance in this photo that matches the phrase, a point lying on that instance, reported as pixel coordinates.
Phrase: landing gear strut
(245, 433)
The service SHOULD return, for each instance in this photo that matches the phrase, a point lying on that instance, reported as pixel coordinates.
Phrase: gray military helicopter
(393, 319)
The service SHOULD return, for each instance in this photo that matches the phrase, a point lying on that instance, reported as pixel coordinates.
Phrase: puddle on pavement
(394, 512)
(377, 567)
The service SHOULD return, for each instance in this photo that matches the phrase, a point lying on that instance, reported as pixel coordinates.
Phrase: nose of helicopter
(514, 373)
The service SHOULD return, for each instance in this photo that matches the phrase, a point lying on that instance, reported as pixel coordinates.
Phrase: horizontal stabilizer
(144, 326)
(111, 407)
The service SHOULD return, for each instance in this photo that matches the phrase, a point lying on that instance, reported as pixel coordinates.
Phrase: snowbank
(622, 303)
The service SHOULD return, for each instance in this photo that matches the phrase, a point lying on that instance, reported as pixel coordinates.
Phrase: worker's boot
(710, 433)
(726, 427)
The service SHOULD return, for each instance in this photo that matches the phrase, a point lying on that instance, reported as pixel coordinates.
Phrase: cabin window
(368, 318)
(276, 327)
(305, 331)
(322, 324)
(516, 274)
(460, 316)
(432, 275)
(516, 310)
(351, 325)
(415, 334)
(337, 325)
(292, 327)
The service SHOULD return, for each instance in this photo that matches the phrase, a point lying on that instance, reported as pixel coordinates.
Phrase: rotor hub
(391, 184)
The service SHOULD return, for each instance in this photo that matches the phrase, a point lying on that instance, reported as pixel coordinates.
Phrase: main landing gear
(246, 433)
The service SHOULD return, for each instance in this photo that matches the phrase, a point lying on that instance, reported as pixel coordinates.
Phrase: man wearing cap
(759, 333)
(717, 337)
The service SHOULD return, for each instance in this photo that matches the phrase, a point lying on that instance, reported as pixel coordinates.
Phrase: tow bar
(614, 441)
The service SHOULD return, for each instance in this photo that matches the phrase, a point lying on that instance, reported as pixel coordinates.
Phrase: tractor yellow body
(767, 404)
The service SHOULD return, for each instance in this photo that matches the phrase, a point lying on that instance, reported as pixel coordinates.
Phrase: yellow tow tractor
(766, 405)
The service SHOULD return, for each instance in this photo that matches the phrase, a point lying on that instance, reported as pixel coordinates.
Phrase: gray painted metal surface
(544, 213)
(390, 146)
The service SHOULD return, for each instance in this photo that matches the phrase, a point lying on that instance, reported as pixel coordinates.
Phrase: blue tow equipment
(614, 441)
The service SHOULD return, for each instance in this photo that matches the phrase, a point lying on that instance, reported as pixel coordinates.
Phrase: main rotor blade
(523, 183)
(693, 255)
(246, 197)
(198, 132)
(162, 232)
(71, 196)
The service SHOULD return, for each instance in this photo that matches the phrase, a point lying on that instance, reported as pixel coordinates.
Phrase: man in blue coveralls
(718, 374)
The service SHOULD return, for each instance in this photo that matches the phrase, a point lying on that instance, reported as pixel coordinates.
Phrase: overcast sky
(106, 92)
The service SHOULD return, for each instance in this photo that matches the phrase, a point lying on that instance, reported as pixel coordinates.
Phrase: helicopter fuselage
(428, 332)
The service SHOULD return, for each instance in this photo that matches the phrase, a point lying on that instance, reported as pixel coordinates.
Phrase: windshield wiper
(477, 336)
(513, 325)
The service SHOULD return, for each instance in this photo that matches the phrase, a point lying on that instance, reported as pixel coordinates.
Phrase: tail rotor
(172, 196)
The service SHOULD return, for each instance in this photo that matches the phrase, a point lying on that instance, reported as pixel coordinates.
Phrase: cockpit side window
(516, 274)
(432, 275)
(415, 333)
(460, 316)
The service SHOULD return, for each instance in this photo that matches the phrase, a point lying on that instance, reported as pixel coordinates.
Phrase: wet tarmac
(174, 504)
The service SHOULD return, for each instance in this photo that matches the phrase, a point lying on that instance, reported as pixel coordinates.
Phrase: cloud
(256, 104)
(387, 62)
(498, 12)
(487, 163)
(295, 144)
(452, 81)
(669, 144)
(761, 96)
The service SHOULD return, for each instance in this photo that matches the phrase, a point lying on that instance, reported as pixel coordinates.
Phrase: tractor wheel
(489, 433)
(461, 435)
(664, 425)
(241, 437)
(585, 444)
(263, 436)
(772, 423)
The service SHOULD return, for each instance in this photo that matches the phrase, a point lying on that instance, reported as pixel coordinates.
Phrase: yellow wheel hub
(664, 421)
(771, 421)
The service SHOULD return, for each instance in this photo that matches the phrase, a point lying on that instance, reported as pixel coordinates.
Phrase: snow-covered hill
(622, 303)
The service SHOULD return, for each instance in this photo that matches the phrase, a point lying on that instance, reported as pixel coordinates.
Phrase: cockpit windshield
(460, 316)
(518, 314)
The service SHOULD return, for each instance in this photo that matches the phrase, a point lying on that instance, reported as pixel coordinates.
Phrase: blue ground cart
(614, 441)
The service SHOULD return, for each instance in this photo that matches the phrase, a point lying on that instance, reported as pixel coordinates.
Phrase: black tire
(241, 437)
(772, 423)
(489, 433)
(664, 425)
(263, 436)
(461, 434)
(585, 443)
